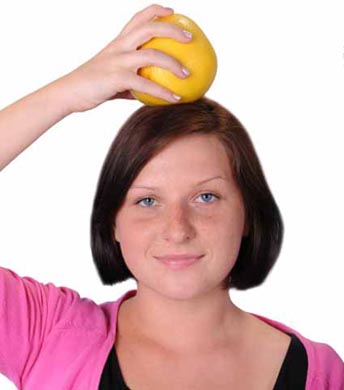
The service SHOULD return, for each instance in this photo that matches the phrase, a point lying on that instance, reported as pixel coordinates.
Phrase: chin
(182, 290)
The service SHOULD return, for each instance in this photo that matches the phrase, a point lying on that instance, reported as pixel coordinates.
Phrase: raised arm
(110, 74)
(27, 119)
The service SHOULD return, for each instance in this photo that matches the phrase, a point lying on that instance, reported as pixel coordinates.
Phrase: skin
(109, 74)
(177, 311)
(180, 310)
(181, 330)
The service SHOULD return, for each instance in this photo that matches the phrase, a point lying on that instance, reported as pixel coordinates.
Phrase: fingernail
(176, 97)
(169, 9)
(185, 71)
(188, 34)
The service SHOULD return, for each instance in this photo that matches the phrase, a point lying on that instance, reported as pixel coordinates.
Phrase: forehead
(192, 156)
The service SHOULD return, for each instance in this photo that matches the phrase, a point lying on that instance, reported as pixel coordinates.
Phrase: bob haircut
(145, 133)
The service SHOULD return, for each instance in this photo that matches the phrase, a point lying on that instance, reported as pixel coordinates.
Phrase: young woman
(182, 206)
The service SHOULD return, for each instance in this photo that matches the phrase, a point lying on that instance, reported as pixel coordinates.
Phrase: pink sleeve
(328, 369)
(335, 367)
(28, 312)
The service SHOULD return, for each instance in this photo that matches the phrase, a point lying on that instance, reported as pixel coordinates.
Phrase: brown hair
(146, 132)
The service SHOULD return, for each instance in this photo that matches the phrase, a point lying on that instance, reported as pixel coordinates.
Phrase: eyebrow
(197, 184)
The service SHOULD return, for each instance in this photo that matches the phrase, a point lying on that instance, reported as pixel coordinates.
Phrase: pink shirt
(52, 339)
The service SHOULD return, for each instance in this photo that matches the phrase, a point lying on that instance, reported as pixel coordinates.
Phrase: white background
(280, 71)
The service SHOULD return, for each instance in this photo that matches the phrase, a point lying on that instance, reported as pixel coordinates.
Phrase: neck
(208, 320)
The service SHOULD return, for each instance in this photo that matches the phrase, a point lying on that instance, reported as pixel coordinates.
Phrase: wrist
(59, 93)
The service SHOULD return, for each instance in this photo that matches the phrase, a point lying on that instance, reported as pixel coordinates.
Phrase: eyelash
(204, 193)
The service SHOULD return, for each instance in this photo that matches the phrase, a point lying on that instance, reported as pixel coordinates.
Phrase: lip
(175, 257)
(178, 262)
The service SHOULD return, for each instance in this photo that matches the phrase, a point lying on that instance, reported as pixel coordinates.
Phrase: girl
(183, 207)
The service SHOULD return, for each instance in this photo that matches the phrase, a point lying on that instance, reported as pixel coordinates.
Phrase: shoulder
(325, 366)
(110, 309)
(53, 307)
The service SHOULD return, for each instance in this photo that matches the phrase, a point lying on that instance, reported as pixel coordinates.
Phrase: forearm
(25, 120)
(110, 74)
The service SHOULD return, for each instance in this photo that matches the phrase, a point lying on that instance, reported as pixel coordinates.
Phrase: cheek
(228, 221)
(133, 237)
(224, 234)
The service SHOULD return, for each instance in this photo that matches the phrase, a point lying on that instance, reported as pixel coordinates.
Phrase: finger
(154, 57)
(138, 36)
(145, 15)
(141, 84)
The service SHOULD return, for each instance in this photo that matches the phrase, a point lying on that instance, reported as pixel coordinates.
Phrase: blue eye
(150, 198)
(208, 193)
(143, 200)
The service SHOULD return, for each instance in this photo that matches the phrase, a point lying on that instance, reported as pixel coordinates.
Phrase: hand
(112, 72)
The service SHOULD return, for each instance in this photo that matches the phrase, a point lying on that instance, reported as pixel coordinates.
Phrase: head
(233, 221)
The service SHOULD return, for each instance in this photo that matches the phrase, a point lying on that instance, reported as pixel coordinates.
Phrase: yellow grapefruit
(198, 56)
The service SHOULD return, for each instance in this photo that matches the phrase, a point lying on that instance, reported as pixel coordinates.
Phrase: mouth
(179, 262)
(179, 257)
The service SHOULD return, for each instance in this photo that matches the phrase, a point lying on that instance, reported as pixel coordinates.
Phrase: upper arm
(327, 368)
(28, 312)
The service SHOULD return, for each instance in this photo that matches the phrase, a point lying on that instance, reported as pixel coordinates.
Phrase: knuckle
(152, 8)
(151, 51)
(152, 28)
(151, 54)
(155, 5)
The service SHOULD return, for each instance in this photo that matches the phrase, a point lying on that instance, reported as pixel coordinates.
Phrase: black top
(292, 375)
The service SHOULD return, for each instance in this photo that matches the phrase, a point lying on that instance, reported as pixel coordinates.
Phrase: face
(183, 211)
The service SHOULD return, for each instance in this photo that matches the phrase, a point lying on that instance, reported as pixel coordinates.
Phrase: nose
(178, 225)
